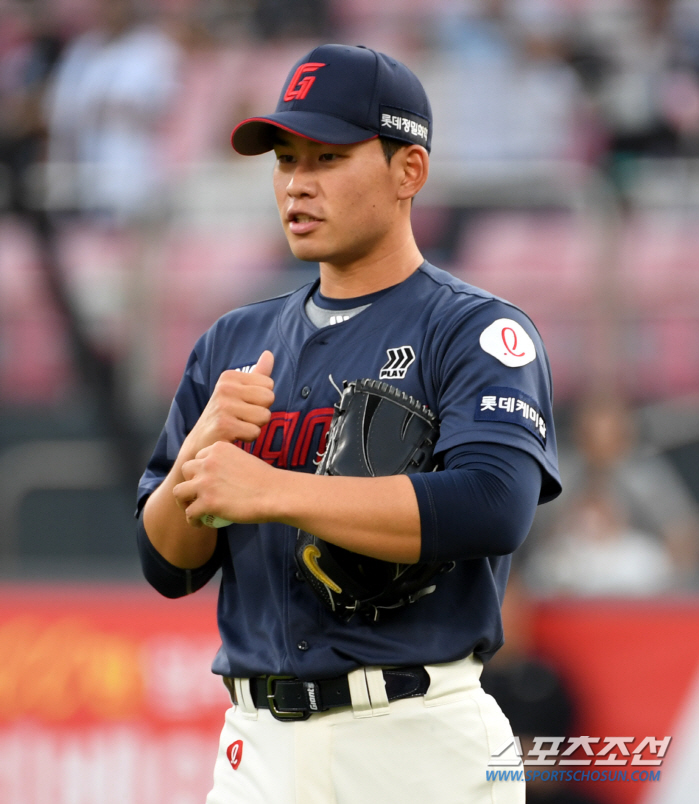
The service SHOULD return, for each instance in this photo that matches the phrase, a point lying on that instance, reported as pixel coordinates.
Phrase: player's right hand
(238, 407)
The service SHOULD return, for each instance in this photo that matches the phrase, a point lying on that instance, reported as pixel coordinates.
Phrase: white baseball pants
(434, 748)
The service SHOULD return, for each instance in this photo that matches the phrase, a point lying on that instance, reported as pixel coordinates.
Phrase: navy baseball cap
(340, 94)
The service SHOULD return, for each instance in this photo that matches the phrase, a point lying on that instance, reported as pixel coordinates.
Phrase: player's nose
(301, 181)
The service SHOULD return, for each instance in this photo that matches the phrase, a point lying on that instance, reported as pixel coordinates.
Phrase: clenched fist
(238, 408)
(226, 482)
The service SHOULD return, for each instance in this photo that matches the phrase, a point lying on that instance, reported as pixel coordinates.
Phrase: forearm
(237, 409)
(169, 580)
(482, 504)
(375, 516)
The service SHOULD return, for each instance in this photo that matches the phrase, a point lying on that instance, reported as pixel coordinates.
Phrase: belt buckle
(277, 713)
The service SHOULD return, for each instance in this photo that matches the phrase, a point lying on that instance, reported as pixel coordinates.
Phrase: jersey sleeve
(494, 386)
(190, 400)
(169, 580)
(482, 504)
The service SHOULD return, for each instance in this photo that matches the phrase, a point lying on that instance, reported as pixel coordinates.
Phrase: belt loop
(244, 698)
(361, 703)
(376, 685)
(453, 681)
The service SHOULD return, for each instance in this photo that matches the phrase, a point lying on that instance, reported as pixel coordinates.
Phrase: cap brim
(257, 134)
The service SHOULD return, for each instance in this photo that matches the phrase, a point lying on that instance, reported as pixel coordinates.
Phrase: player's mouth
(302, 223)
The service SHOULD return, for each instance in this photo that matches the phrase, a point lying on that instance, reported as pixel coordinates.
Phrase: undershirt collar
(325, 311)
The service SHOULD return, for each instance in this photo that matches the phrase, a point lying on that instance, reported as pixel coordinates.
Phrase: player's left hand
(225, 481)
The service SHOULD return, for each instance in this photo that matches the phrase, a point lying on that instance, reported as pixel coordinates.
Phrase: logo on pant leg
(234, 752)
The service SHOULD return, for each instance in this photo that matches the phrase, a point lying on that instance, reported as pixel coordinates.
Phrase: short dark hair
(391, 146)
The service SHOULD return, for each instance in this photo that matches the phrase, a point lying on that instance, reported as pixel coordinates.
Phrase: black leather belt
(290, 698)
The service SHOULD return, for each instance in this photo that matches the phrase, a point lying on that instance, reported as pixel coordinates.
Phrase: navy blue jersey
(475, 360)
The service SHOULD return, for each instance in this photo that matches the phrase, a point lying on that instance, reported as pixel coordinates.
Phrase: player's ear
(414, 162)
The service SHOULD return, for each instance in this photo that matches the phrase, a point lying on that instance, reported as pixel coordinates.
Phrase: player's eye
(329, 157)
(285, 159)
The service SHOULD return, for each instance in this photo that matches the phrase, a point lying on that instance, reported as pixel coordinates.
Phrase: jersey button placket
(305, 391)
(302, 644)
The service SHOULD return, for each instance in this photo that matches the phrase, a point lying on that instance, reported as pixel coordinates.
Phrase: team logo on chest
(399, 360)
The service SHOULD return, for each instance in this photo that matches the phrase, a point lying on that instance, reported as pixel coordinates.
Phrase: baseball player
(381, 704)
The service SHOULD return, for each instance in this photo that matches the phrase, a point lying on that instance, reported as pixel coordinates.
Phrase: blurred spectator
(499, 85)
(625, 523)
(112, 89)
(198, 124)
(596, 552)
(225, 75)
(28, 52)
(277, 19)
(645, 74)
(531, 693)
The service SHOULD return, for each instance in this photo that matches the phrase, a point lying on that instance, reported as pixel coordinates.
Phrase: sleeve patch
(500, 404)
(509, 342)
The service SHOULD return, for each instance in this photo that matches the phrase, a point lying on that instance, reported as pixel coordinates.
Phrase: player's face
(338, 203)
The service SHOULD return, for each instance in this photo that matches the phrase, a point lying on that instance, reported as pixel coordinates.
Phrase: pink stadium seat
(193, 278)
(540, 262)
(659, 264)
(662, 356)
(203, 276)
